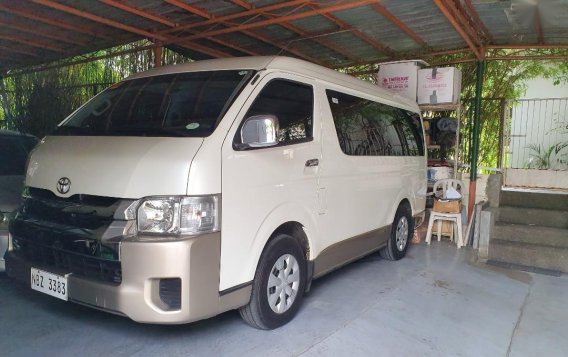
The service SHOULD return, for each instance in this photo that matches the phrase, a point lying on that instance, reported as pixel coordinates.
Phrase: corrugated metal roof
(330, 32)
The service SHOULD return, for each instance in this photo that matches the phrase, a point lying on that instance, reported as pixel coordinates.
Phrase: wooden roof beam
(29, 14)
(300, 31)
(245, 4)
(207, 15)
(360, 34)
(259, 37)
(461, 14)
(32, 42)
(297, 30)
(475, 16)
(281, 19)
(236, 15)
(131, 29)
(35, 31)
(505, 58)
(271, 42)
(407, 55)
(381, 9)
(19, 50)
(443, 6)
(538, 26)
(99, 19)
(148, 15)
(284, 48)
(86, 59)
(521, 46)
(190, 8)
(136, 11)
(9, 55)
(315, 37)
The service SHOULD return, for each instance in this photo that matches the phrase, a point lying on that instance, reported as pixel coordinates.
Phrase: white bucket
(436, 173)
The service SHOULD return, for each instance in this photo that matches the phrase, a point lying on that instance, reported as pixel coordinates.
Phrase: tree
(503, 80)
(40, 100)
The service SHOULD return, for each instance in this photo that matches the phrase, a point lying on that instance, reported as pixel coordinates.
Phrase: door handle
(312, 163)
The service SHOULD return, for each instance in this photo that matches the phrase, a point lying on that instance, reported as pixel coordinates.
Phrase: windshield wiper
(128, 131)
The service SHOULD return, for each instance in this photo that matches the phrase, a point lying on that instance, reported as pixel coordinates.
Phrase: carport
(353, 36)
(439, 303)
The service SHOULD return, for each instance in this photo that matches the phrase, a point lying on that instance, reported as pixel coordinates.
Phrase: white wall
(534, 120)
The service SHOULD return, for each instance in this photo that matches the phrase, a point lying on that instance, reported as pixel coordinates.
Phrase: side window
(390, 126)
(413, 132)
(368, 128)
(292, 103)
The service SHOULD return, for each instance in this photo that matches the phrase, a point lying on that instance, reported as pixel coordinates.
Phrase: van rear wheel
(278, 286)
(401, 233)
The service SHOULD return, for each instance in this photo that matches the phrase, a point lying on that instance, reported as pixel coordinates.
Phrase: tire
(266, 309)
(401, 233)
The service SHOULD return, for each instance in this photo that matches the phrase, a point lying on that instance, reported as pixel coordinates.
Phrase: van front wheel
(278, 285)
(401, 233)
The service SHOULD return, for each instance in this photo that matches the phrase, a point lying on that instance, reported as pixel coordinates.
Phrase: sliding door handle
(312, 163)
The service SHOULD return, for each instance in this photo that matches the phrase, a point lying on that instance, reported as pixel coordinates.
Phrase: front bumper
(195, 261)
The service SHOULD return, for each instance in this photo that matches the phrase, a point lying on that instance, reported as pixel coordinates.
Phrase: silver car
(14, 150)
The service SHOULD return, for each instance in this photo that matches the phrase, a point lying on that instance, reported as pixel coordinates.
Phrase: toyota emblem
(63, 185)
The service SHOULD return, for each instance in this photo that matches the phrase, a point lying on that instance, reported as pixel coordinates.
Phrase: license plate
(50, 284)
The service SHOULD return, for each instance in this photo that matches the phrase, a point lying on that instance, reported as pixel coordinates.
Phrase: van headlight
(178, 215)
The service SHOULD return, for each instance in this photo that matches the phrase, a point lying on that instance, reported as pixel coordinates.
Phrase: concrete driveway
(432, 303)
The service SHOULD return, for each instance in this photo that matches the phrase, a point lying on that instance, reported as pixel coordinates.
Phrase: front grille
(170, 292)
(81, 211)
(109, 271)
(67, 234)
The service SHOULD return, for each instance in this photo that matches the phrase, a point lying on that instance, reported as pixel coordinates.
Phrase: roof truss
(315, 30)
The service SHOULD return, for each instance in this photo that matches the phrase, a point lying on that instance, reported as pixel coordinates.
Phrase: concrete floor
(432, 303)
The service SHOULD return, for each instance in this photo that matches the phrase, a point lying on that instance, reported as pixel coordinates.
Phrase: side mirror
(260, 131)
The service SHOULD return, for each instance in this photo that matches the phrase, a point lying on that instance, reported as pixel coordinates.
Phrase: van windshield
(181, 104)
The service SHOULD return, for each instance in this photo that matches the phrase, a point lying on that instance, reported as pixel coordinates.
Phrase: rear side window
(292, 103)
(368, 128)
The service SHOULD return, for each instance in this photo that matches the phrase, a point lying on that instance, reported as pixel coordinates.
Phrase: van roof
(288, 64)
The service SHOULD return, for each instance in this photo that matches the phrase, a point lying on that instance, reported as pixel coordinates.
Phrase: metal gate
(536, 143)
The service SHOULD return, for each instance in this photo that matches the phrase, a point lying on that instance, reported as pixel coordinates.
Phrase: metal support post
(158, 56)
(476, 130)
(500, 150)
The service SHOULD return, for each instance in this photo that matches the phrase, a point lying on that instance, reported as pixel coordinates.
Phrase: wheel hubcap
(401, 233)
(283, 283)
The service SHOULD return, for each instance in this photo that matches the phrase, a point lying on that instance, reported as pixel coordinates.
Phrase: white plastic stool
(455, 218)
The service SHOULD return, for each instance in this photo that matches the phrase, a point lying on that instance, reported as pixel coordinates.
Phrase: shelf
(457, 107)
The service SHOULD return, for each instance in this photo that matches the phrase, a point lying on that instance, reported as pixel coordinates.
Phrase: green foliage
(561, 76)
(40, 100)
(546, 158)
(503, 81)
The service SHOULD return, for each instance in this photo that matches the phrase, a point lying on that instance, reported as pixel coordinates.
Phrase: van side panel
(346, 204)
(262, 189)
(362, 192)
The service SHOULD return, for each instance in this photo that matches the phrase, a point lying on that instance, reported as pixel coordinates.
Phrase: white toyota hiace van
(186, 191)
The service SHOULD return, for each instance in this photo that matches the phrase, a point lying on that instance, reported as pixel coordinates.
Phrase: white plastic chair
(455, 218)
